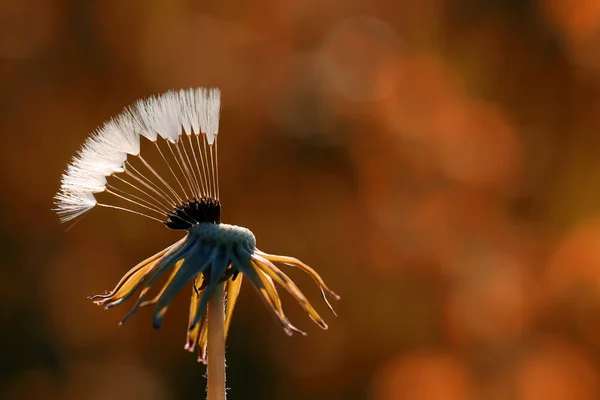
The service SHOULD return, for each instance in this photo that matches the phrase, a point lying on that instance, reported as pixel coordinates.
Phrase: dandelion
(181, 191)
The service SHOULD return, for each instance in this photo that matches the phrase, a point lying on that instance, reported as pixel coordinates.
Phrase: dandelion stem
(216, 346)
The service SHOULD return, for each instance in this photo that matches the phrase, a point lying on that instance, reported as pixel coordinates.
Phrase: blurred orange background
(437, 162)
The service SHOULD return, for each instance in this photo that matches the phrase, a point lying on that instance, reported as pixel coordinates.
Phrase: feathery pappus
(180, 189)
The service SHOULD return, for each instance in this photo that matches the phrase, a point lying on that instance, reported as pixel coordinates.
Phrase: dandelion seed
(213, 257)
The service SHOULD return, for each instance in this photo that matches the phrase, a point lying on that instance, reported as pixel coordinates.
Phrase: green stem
(216, 346)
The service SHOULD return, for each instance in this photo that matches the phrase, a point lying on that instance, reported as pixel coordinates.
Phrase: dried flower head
(183, 194)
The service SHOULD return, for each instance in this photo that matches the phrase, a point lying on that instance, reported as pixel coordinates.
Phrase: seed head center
(223, 234)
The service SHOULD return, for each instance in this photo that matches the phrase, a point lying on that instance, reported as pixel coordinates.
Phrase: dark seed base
(191, 212)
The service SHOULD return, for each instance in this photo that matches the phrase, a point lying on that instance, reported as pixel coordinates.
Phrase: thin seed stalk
(216, 346)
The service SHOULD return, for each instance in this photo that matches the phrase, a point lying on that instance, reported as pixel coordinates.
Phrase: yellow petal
(275, 301)
(128, 287)
(169, 280)
(192, 334)
(233, 291)
(259, 283)
(272, 271)
(203, 342)
(294, 262)
(129, 275)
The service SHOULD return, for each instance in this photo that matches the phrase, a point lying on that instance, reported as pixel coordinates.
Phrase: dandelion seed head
(106, 150)
(183, 126)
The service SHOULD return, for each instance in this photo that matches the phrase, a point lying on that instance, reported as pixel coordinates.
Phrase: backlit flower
(182, 127)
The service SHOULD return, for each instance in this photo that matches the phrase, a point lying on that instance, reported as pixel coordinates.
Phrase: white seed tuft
(211, 107)
(193, 111)
(71, 204)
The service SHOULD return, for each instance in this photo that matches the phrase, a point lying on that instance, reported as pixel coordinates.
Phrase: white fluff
(187, 102)
(210, 101)
(142, 113)
(119, 133)
(169, 118)
(71, 204)
(78, 179)
(105, 151)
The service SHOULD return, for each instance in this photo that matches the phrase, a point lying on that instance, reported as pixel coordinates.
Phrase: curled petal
(154, 269)
(294, 262)
(162, 290)
(194, 264)
(140, 303)
(194, 333)
(198, 334)
(272, 271)
(198, 316)
(132, 283)
(162, 265)
(272, 291)
(219, 263)
(268, 295)
(203, 343)
(132, 271)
